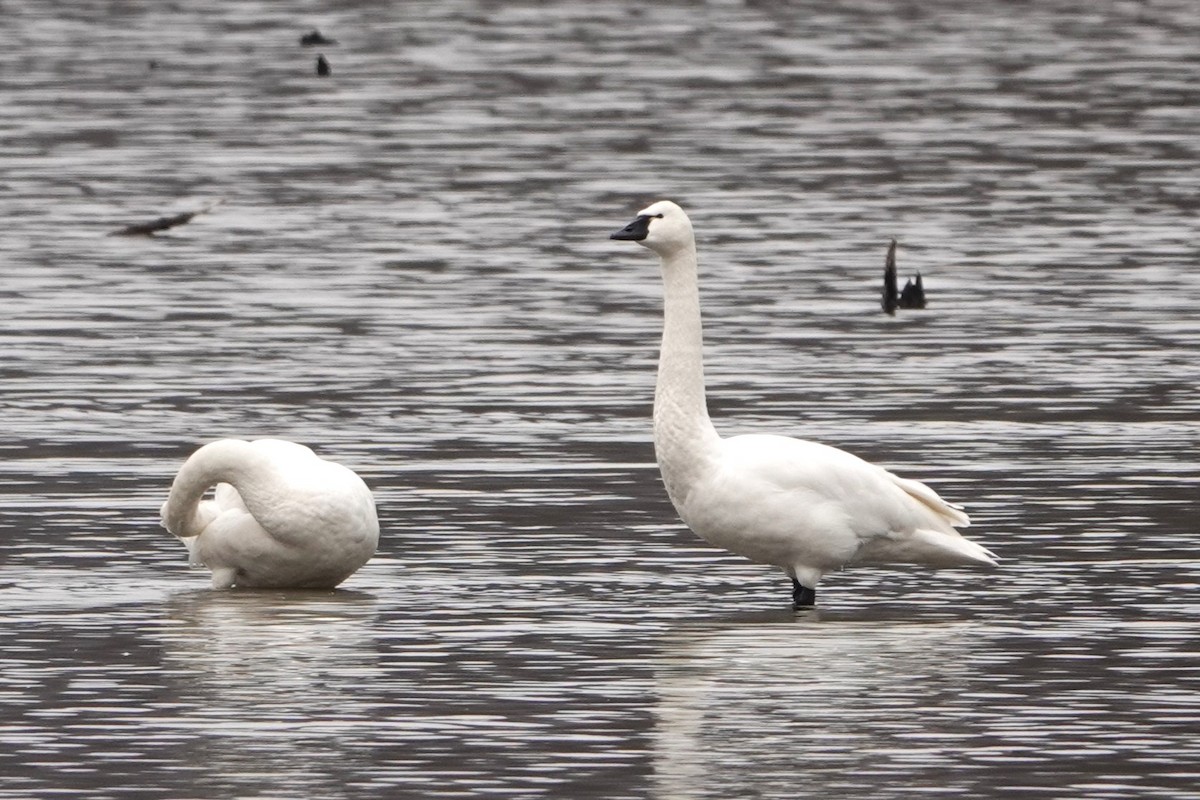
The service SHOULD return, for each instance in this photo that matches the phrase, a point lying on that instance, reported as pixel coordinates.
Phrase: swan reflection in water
(271, 678)
(800, 706)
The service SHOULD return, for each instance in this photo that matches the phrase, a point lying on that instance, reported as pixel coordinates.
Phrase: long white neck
(226, 461)
(684, 438)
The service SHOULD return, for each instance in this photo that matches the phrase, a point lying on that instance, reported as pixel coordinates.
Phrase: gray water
(407, 268)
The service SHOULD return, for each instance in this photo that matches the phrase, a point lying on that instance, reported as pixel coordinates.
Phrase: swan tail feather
(954, 514)
(951, 549)
(926, 546)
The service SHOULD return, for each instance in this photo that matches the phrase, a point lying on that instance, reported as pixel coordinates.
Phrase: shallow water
(408, 269)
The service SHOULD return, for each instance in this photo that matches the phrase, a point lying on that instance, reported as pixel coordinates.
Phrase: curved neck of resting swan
(227, 461)
(684, 437)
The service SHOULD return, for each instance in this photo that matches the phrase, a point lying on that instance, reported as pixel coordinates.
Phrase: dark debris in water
(913, 293)
(314, 38)
(151, 227)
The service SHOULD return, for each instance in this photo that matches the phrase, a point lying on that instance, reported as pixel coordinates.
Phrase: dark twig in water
(315, 37)
(161, 224)
(889, 280)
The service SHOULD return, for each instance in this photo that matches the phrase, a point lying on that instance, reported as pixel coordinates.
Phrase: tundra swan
(280, 517)
(804, 507)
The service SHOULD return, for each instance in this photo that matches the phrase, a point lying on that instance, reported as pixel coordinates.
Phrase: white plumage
(280, 517)
(804, 507)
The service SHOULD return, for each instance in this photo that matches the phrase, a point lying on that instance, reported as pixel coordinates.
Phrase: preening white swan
(280, 518)
(804, 507)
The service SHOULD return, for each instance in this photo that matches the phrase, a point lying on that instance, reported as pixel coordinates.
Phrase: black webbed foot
(802, 596)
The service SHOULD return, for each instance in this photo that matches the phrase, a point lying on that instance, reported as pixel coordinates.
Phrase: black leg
(802, 596)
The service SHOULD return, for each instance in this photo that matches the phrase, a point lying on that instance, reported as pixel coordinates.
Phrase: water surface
(407, 268)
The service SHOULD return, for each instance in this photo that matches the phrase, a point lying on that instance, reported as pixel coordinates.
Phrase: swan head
(661, 226)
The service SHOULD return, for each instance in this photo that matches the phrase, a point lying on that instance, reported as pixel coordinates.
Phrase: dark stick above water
(889, 280)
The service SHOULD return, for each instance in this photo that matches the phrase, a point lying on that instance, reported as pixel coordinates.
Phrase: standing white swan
(280, 518)
(804, 507)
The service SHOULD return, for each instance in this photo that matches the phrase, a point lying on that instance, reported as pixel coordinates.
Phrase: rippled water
(408, 269)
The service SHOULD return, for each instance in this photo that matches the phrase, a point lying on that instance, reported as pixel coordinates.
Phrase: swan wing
(868, 498)
(784, 501)
(801, 501)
